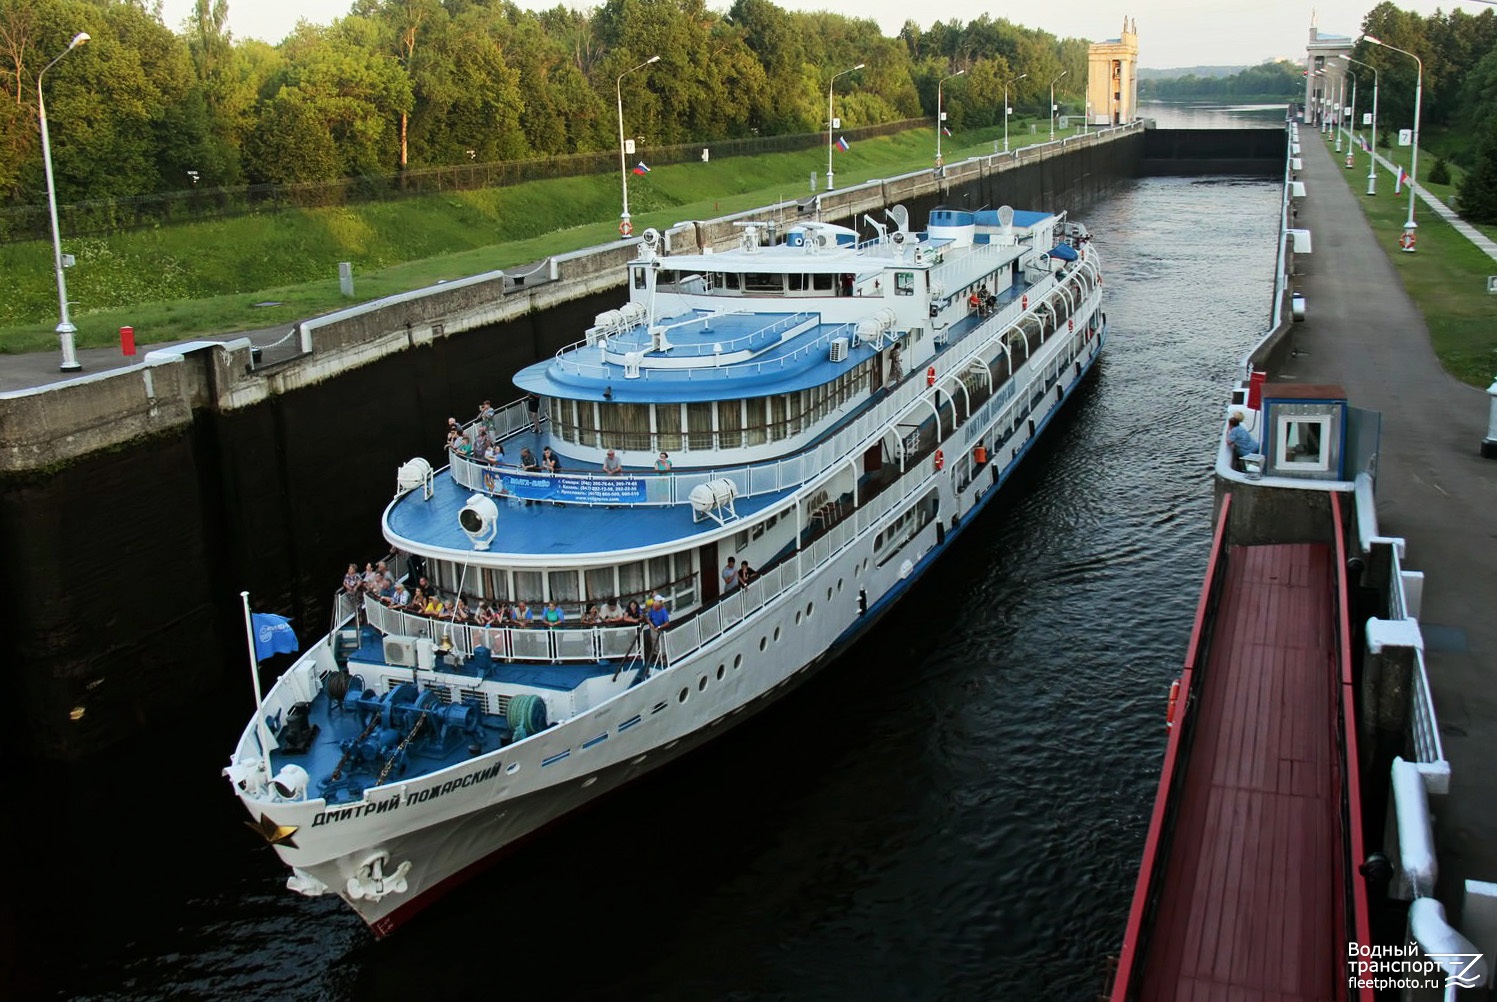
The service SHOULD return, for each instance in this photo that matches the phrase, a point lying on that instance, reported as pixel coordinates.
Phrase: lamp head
(1021, 76)
(1374, 41)
(652, 59)
(78, 39)
(860, 66)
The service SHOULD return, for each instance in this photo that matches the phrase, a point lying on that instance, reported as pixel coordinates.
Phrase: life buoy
(1071, 326)
(1169, 715)
(940, 460)
(1024, 302)
(1406, 241)
(930, 376)
(625, 229)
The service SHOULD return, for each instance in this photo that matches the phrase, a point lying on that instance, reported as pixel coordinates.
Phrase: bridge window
(904, 283)
(764, 282)
(639, 277)
(822, 283)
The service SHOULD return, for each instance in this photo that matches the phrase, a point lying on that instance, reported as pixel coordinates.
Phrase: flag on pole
(1403, 176)
(273, 635)
(945, 131)
(641, 169)
(843, 144)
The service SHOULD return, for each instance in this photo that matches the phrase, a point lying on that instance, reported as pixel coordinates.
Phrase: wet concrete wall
(122, 608)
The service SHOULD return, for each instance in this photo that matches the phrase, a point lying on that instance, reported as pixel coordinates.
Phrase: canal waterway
(954, 810)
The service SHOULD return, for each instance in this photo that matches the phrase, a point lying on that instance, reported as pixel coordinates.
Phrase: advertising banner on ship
(577, 490)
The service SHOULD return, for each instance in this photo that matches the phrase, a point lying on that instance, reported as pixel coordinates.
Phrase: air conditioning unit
(400, 651)
(839, 349)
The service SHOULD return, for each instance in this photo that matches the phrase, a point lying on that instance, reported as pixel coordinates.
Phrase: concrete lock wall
(140, 502)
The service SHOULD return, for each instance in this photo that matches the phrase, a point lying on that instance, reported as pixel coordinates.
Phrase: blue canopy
(1063, 251)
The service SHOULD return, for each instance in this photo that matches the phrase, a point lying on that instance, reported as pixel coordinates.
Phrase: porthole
(737, 661)
(797, 617)
(702, 684)
(721, 671)
(763, 642)
(809, 607)
(829, 594)
(589, 781)
(839, 586)
(776, 634)
(681, 696)
(512, 768)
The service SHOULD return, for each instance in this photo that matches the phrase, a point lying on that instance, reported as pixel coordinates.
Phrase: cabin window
(563, 587)
(659, 578)
(729, 424)
(822, 283)
(729, 280)
(1303, 444)
(600, 584)
(797, 282)
(668, 426)
(764, 282)
(496, 584)
(529, 585)
(631, 579)
(754, 431)
(904, 283)
(904, 528)
(626, 426)
(639, 277)
(699, 425)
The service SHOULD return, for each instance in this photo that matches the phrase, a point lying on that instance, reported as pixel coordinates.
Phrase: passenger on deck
(463, 447)
(418, 601)
(991, 303)
(746, 574)
(549, 462)
(521, 615)
(896, 365)
(481, 441)
(460, 613)
(527, 460)
(552, 615)
(659, 615)
(633, 613)
(663, 464)
(611, 464)
(353, 581)
(1242, 443)
(592, 617)
(483, 615)
(386, 588)
(434, 606)
(533, 405)
(453, 431)
(611, 613)
(974, 303)
(730, 575)
(486, 416)
(399, 597)
(494, 454)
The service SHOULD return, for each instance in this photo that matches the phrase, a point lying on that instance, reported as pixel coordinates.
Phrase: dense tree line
(143, 108)
(1459, 53)
(1269, 80)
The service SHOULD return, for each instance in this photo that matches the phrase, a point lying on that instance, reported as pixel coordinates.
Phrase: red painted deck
(1251, 903)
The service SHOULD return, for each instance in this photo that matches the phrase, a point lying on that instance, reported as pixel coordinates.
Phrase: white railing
(793, 471)
(569, 642)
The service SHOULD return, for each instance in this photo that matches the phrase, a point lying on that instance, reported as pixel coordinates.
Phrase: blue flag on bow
(273, 635)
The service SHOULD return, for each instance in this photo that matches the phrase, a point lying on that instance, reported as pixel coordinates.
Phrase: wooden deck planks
(1247, 905)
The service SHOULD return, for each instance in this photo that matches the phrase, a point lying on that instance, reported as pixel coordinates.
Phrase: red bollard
(127, 340)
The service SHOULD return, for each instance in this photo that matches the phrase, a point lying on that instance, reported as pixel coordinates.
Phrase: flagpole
(254, 663)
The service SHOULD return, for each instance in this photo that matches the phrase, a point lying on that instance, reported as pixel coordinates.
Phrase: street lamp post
(65, 328)
(1340, 106)
(1052, 103)
(941, 115)
(829, 128)
(1407, 241)
(1352, 115)
(1372, 156)
(1007, 109)
(625, 227)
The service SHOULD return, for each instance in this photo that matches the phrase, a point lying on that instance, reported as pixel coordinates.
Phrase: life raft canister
(1023, 302)
(1169, 715)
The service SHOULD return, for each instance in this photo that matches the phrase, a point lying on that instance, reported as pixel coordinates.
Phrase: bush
(1440, 172)
(1478, 191)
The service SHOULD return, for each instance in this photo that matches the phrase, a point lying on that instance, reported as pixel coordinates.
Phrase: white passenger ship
(836, 410)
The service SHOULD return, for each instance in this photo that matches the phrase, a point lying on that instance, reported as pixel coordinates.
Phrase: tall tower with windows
(1321, 72)
(1112, 78)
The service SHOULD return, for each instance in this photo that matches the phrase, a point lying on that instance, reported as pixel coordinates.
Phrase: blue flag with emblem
(273, 635)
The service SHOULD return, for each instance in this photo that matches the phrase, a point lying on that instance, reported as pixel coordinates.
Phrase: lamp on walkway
(1372, 156)
(65, 329)
(625, 227)
(1052, 104)
(1007, 110)
(1407, 240)
(830, 127)
(941, 115)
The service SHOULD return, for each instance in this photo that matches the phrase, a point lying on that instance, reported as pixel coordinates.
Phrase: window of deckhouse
(631, 578)
(764, 282)
(699, 425)
(729, 424)
(563, 586)
(639, 277)
(528, 586)
(626, 426)
(754, 430)
(600, 584)
(904, 283)
(668, 426)
(587, 422)
(822, 283)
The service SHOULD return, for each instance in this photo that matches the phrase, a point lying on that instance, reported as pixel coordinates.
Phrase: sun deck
(1251, 898)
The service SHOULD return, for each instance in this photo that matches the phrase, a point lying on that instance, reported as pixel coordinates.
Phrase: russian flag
(945, 131)
(640, 168)
(1403, 176)
(843, 144)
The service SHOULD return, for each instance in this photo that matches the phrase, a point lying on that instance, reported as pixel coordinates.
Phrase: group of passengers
(484, 446)
(982, 302)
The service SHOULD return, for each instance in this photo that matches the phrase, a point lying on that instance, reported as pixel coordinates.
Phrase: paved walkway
(1434, 489)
